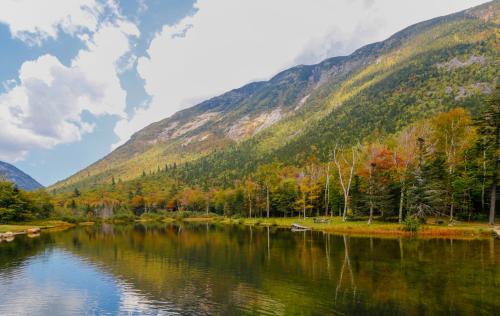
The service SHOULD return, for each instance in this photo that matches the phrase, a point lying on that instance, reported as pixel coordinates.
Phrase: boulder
(7, 235)
(34, 230)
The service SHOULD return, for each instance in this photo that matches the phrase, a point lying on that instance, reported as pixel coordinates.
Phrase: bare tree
(345, 168)
(327, 188)
(404, 155)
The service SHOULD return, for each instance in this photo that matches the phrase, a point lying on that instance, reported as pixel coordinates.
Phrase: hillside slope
(424, 69)
(21, 179)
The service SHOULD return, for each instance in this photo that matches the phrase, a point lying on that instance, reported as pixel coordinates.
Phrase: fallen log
(298, 227)
(496, 232)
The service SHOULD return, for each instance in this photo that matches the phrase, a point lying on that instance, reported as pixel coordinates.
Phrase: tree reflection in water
(220, 269)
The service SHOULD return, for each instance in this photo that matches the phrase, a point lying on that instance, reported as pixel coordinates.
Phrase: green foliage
(412, 223)
(405, 86)
(284, 195)
(151, 216)
(425, 193)
(375, 92)
(375, 191)
(126, 218)
(17, 205)
(72, 219)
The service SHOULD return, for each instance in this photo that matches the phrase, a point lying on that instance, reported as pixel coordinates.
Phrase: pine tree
(425, 193)
(488, 124)
(358, 202)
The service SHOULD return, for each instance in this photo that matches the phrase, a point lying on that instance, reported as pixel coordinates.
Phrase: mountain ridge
(297, 98)
(18, 177)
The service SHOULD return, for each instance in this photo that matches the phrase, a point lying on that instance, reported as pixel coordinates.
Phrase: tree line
(17, 205)
(443, 166)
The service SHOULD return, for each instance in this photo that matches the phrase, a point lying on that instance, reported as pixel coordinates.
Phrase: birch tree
(327, 188)
(250, 189)
(403, 157)
(452, 133)
(345, 162)
(267, 176)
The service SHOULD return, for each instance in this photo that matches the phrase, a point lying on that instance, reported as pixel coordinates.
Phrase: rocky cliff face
(428, 67)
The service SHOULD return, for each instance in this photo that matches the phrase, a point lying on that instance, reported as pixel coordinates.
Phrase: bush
(123, 218)
(151, 216)
(183, 214)
(412, 224)
(258, 222)
(72, 219)
(473, 217)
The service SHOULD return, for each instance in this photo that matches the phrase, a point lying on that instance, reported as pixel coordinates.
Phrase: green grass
(358, 227)
(21, 227)
(361, 227)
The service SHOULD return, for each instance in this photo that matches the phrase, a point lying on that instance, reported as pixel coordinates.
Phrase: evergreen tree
(488, 124)
(358, 202)
(425, 194)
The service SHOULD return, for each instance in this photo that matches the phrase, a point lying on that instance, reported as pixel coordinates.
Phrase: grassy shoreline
(362, 228)
(21, 228)
(335, 225)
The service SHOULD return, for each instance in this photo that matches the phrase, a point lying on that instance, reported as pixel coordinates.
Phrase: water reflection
(212, 269)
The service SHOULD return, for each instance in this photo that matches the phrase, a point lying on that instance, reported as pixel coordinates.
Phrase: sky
(79, 77)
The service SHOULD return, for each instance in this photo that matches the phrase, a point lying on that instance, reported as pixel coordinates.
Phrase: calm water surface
(200, 269)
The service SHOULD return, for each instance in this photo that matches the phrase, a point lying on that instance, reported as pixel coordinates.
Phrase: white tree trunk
(267, 200)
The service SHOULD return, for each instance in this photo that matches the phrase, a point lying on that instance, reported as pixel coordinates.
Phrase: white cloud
(44, 109)
(223, 45)
(228, 43)
(33, 21)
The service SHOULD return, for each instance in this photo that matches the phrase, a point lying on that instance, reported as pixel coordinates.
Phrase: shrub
(152, 216)
(72, 219)
(412, 224)
(123, 218)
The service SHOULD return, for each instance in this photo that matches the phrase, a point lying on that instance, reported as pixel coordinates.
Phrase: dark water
(199, 269)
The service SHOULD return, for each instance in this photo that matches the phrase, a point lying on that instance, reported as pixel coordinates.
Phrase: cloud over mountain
(45, 106)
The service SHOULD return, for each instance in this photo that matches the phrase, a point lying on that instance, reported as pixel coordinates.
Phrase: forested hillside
(430, 67)
(401, 127)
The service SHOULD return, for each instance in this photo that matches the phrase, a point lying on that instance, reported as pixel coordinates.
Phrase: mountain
(427, 68)
(21, 179)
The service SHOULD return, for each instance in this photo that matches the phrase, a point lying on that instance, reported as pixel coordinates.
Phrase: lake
(200, 269)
